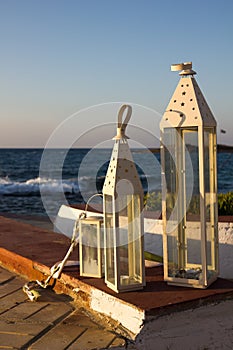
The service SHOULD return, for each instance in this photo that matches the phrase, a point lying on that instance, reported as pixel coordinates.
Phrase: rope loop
(121, 125)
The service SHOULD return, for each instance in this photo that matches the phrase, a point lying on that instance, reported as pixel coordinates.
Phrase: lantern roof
(122, 176)
(187, 107)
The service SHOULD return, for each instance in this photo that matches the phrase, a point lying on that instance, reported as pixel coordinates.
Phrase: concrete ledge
(31, 252)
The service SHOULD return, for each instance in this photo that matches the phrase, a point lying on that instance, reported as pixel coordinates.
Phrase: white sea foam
(33, 186)
(50, 185)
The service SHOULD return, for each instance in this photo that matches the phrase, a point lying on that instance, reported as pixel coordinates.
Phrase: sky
(60, 57)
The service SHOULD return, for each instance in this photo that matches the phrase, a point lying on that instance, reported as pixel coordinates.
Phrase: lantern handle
(121, 125)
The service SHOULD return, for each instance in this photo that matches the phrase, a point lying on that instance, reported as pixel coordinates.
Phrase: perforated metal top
(187, 106)
(122, 176)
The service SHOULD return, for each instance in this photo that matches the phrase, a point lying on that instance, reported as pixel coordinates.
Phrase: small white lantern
(123, 217)
(91, 246)
(188, 158)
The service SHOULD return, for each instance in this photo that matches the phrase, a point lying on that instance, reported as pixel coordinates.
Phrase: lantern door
(211, 203)
(110, 243)
(91, 248)
(124, 263)
(130, 240)
(190, 206)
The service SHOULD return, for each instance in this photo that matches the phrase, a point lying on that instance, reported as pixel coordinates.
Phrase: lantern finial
(186, 68)
(121, 126)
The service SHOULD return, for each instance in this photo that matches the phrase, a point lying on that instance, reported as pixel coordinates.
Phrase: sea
(36, 182)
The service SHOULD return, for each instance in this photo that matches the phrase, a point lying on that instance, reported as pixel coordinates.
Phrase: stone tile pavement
(53, 322)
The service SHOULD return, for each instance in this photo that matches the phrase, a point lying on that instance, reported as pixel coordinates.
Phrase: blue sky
(58, 57)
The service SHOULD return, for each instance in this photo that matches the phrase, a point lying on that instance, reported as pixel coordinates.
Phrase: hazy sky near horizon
(59, 57)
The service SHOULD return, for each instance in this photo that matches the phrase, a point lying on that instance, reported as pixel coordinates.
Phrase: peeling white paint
(130, 317)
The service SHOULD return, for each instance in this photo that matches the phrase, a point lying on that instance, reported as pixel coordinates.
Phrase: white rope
(56, 269)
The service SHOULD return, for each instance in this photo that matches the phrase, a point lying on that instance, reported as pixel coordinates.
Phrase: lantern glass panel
(110, 240)
(129, 232)
(211, 199)
(90, 249)
(191, 221)
(182, 203)
(91, 246)
(171, 179)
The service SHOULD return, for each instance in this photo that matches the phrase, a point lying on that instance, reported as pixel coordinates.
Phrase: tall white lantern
(123, 216)
(188, 157)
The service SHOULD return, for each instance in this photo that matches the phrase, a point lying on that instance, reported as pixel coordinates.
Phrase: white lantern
(123, 217)
(91, 246)
(188, 157)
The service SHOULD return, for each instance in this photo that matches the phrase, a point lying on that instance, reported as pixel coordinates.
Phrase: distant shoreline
(221, 148)
(225, 148)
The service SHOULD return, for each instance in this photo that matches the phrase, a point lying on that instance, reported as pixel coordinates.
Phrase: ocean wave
(34, 186)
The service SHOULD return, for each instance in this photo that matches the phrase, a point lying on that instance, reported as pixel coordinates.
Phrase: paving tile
(8, 288)
(23, 311)
(79, 318)
(58, 338)
(117, 343)
(9, 278)
(51, 313)
(13, 340)
(17, 280)
(11, 300)
(5, 276)
(15, 335)
(21, 327)
(93, 339)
